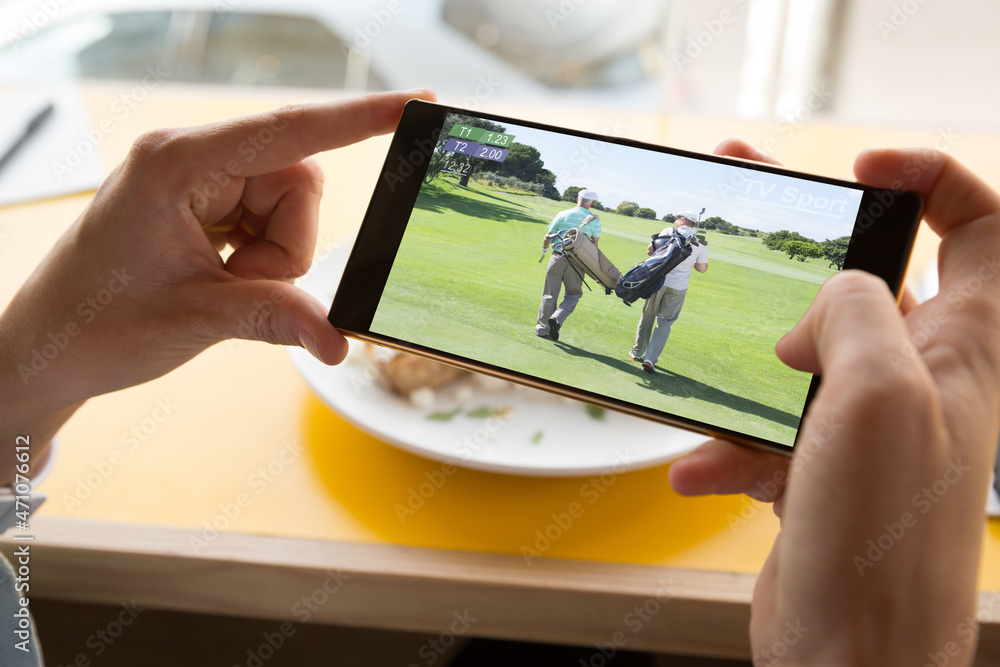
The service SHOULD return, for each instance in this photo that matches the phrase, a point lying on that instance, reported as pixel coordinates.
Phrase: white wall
(925, 62)
(896, 62)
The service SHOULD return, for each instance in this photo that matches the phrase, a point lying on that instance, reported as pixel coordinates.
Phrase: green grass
(467, 281)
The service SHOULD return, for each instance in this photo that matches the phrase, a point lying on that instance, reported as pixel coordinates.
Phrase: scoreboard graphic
(477, 142)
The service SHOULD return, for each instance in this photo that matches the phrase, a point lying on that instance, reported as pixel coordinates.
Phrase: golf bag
(582, 252)
(643, 280)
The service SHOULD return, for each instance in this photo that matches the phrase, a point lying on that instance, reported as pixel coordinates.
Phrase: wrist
(35, 391)
(64, 337)
(33, 379)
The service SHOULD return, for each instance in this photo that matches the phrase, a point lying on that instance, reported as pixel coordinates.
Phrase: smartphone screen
(452, 257)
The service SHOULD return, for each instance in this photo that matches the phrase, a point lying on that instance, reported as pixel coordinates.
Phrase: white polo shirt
(678, 278)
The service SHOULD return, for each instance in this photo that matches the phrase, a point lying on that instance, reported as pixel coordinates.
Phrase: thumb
(854, 318)
(279, 313)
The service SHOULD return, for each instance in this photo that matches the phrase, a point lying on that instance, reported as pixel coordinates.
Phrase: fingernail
(308, 342)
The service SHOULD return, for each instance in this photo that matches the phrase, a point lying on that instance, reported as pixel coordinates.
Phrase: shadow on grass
(485, 193)
(674, 384)
(436, 201)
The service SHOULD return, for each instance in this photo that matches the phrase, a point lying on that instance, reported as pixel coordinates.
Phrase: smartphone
(447, 265)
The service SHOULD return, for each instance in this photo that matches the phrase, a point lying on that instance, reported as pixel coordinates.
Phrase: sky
(668, 184)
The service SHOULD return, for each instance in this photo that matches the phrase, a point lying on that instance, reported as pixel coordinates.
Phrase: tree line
(802, 248)
(791, 243)
(632, 209)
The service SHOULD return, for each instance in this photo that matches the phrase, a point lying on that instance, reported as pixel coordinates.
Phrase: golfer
(560, 270)
(664, 307)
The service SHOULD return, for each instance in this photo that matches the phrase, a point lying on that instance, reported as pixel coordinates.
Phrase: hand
(881, 505)
(137, 286)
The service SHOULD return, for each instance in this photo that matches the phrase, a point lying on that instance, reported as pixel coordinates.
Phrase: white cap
(587, 194)
(690, 215)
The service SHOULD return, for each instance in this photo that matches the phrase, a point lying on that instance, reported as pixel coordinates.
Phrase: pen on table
(996, 476)
(29, 131)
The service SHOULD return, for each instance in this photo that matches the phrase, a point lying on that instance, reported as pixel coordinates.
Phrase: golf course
(467, 280)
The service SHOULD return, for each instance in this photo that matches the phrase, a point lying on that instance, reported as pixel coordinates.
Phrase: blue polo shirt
(571, 219)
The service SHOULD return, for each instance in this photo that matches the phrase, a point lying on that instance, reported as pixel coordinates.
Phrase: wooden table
(183, 523)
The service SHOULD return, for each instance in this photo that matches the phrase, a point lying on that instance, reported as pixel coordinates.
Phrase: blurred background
(872, 61)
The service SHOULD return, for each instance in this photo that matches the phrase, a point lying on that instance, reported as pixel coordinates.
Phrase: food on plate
(406, 373)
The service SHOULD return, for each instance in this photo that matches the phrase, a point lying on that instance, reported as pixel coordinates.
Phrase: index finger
(274, 140)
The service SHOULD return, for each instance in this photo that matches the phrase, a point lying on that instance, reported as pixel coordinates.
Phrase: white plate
(540, 434)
